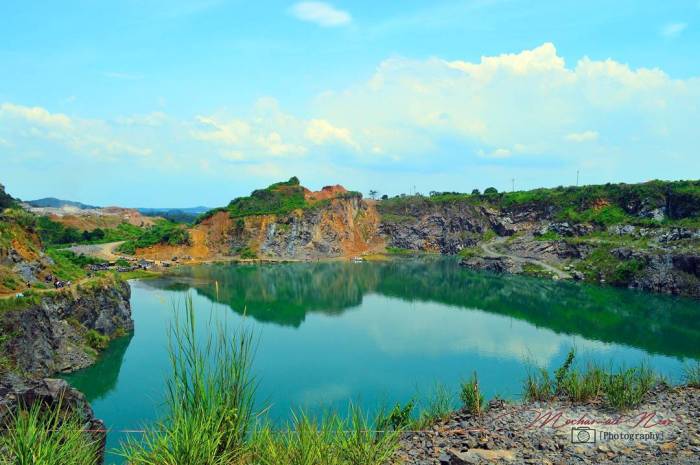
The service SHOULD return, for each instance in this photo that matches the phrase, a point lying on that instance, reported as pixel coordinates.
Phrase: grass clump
(584, 386)
(209, 400)
(469, 252)
(691, 374)
(621, 389)
(437, 406)
(471, 396)
(626, 388)
(47, 436)
(398, 418)
(97, 341)
(538, 386)
(304, 442)
(328, 441)
(360, 445)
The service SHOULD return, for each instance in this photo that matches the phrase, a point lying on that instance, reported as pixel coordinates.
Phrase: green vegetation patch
(53, 233)
(602, 264)
(601, 204)
(67, 265)
(400, 251)
(163, 232)
(549, 236)
(278, 199)
(95, 340)
(247, 253)
(605, 216)
(533, 269)
(469, 252)
(27, 299)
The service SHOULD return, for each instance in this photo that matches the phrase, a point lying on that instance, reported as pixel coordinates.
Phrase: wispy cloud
(673, 30)
(323, 14)
(92, 137)
(584, 136)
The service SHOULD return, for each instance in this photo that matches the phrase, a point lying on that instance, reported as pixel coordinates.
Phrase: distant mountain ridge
(188, 210)
(177, 215)
(53, 202)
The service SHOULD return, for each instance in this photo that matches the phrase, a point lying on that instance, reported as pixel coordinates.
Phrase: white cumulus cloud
(36, 115)
(321, 13)
(528, 106)
(320, 131)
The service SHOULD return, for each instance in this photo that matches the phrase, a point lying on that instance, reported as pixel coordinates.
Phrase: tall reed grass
(211, 418)
(210, 399)
(471, 396)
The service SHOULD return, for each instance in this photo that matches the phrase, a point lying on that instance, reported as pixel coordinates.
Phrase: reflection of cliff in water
(283, 294)
(98, 380)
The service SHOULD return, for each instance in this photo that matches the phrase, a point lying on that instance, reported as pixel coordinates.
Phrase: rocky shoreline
(668, 262)
(665, 429)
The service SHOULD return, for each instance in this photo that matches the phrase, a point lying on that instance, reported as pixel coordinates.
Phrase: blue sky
(177, 103)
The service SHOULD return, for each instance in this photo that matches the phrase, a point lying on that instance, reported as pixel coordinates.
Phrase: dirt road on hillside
(103, 251)
(491, 252)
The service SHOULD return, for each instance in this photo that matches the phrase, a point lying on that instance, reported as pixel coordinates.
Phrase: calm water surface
(384, 332)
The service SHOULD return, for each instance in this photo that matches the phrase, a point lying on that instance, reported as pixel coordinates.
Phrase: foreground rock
(664, 430)
(16, 392)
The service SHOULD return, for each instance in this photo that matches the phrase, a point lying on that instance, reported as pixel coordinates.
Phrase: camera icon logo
(582, 435)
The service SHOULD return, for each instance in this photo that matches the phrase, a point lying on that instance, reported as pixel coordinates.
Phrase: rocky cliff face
(341, 227)
(667, 272)
(63, 330)
(333, 227)
(444, 227)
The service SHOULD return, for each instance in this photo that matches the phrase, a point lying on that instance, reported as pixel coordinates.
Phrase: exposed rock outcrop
(340, 227)
(52, 335)
(446, 228)
(670, 273)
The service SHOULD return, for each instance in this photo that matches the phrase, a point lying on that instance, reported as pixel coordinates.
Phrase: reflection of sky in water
(381, 349)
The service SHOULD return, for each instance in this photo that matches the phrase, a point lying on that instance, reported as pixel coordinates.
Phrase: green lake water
(378, 333)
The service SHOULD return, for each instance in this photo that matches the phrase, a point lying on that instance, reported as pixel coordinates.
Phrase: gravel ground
(667, 426)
